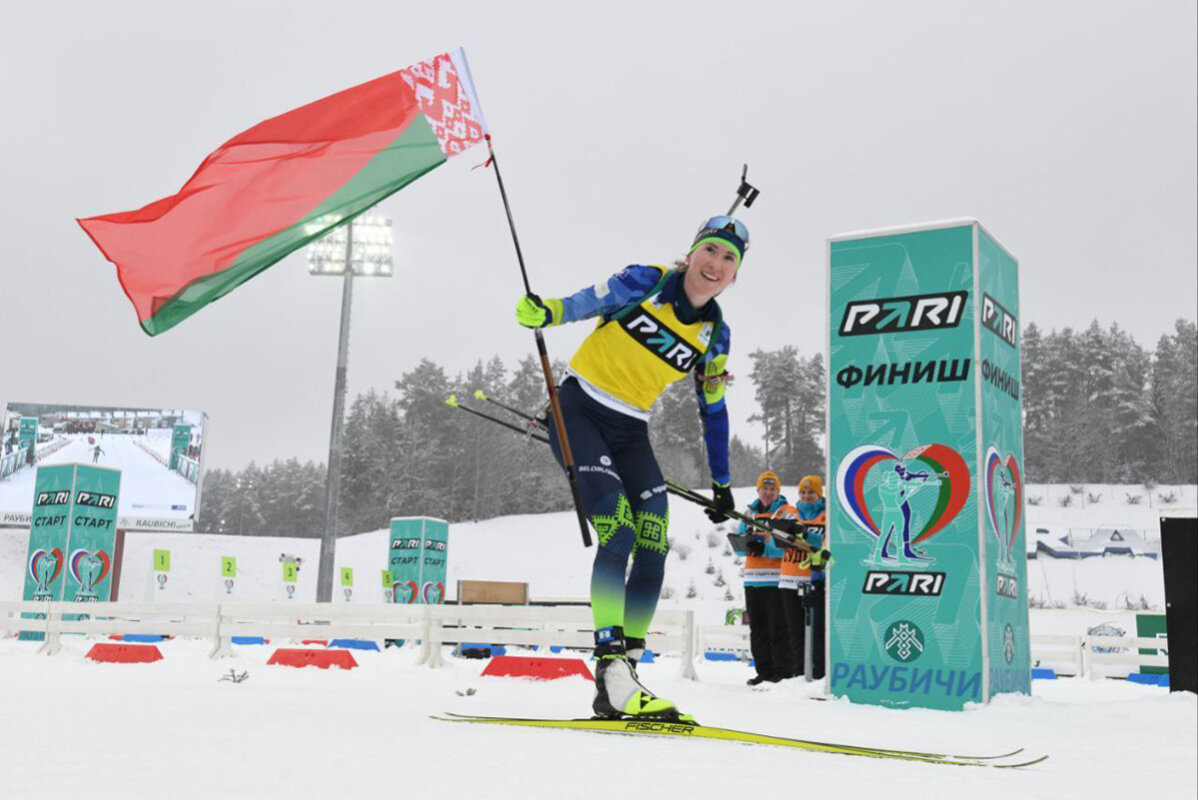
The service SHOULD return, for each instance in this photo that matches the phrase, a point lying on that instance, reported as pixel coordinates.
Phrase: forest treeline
(1098, 408)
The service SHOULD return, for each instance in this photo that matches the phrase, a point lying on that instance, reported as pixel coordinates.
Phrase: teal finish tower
(927, 600)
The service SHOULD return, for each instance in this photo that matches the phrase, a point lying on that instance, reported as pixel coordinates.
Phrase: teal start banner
(28, 433)
(927, 603)
(180, 443)
(72, 535)
(417, 559)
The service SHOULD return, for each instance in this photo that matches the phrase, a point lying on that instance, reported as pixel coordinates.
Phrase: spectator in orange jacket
(811, 509)
(772, 654)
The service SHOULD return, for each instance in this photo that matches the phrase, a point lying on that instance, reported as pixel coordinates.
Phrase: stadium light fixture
(370, 249)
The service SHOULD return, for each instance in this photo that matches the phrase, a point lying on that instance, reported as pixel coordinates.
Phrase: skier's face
(808, 496)
(710, 270)
(767, 494)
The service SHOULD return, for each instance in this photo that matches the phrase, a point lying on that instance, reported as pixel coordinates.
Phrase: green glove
(533, 312)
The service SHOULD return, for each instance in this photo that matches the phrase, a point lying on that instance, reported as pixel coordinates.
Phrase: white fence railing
(1066, 655)
(432, 626)
(674, 631)
(188, 467)
(13, 461)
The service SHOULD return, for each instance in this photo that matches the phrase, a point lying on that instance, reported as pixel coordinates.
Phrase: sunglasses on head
(730, 224)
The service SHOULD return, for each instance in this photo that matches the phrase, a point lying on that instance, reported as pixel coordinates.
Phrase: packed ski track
(173, 727)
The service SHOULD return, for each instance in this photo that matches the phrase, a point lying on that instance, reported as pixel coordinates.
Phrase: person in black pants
(768, 640)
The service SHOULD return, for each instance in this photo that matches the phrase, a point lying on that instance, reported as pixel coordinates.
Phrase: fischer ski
(691, 730)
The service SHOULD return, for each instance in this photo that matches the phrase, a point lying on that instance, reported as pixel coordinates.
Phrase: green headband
(718, 240)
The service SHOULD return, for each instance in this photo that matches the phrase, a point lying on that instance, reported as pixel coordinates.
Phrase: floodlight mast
(321, 262)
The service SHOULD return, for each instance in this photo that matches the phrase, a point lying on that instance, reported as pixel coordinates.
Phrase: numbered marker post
(162, 565)
(228, 572)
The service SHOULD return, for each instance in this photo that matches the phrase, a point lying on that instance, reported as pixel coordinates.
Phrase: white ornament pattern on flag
(445, 103)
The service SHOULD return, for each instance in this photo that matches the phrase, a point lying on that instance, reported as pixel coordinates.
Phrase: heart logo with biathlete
(434, 593)
(878, 487)
(406, 591)
(88, 568)
(44, 567)
(1004, 501)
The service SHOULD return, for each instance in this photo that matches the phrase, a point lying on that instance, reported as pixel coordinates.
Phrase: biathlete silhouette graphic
(1004, 494)
(896, 490)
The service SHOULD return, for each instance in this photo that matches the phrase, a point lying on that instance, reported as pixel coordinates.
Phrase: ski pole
(554, 403)
(452, 402)
(757, 525)
(481, 395)
(672, 487)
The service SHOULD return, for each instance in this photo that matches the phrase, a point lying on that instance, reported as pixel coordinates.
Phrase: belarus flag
(274, 188)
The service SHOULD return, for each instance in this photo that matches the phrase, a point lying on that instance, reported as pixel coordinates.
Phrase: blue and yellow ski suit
(648, 336)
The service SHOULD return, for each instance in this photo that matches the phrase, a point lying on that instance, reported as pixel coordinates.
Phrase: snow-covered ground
(148, 488)
(74, 728)
(77, 729)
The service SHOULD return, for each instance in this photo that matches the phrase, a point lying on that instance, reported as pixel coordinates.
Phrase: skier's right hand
(533, 312)
(755, 547)
(722, 502)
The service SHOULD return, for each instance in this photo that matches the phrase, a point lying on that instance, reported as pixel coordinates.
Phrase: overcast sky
(1068, 128)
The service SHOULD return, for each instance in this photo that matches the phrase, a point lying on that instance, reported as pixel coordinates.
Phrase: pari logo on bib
(902, 500)
(1004, 502)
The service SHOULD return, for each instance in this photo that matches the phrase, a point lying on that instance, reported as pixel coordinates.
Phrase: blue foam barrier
(719, 655)
(1043, 674)
(496, 649)
(147, 638)
(648, 657)
(1149, 679)
(248, 640)
(355, 644)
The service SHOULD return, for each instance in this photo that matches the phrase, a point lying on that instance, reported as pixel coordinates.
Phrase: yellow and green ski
(692, 730)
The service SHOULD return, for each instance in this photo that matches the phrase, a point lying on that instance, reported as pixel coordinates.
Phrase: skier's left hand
(722, 497)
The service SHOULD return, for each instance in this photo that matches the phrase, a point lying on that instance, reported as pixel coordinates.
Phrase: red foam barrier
(322, 642)
(541, 668)
(124, 653)
(294, 657)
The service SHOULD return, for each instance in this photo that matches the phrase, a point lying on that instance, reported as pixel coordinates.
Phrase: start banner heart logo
(1004, 502)
(89, 569)
(434, 592)
(406, 591)
(44, 567)
(876, 487)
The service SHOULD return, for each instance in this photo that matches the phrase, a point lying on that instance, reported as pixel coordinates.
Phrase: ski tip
(1021, 763)
(452, 400)
(480, 394)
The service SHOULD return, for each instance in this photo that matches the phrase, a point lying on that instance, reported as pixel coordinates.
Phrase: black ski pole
(546, 367)
(452, 402)
(479, 394)
(673, 487)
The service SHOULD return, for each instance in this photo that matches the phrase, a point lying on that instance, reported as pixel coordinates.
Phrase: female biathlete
(655, 326)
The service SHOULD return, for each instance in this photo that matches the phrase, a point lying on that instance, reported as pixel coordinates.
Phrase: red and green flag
(274, 188)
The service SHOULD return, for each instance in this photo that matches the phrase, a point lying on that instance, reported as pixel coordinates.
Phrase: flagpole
(554, 402)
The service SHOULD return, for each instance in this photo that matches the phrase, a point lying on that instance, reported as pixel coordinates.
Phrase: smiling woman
(656, 325)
